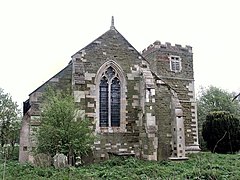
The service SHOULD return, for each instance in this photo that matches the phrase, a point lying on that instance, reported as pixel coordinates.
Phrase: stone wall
(157, 105)
(164, 120)
(181, 82)
(24, 140)
(31, 119)
(110, 49)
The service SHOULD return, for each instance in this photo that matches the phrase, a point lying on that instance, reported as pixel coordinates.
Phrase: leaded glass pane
(110, 72)
(115, 102)
(103, 104)
(175, 64)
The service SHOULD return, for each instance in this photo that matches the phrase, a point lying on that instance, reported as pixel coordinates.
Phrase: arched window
(103, 102)
(109, 99)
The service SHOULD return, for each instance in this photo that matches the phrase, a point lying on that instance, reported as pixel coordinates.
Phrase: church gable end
(106, 78)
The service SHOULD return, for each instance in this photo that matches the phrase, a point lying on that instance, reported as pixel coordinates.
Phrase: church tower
(173, 65)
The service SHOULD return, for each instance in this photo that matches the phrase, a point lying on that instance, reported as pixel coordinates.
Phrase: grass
(199, 166)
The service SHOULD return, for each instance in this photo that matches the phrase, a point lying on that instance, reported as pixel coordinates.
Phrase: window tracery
(109, 99)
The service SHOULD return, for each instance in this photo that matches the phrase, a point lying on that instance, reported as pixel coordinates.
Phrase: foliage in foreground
(221, 131)
(9, 125)
(214, 99)
(61, 130)
(199, 166)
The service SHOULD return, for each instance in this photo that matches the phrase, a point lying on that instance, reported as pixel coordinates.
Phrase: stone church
(140, 104)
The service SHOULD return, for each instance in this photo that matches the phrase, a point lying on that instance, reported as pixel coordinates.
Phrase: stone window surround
(119, 71)
(110, 91)
(176, 59)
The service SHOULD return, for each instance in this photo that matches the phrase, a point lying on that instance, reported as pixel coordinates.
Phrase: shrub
(221, 131)
(62, 130)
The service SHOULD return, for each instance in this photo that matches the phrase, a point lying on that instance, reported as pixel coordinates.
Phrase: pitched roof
(60, 73)
(110, 33)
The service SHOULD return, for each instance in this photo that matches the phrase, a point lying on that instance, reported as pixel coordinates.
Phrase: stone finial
(112, 24)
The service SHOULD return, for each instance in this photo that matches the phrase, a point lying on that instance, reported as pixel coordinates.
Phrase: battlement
(167, 46)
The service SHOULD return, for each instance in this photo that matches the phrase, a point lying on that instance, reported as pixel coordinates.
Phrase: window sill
(110, 130)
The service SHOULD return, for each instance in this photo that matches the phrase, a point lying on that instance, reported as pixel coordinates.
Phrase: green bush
(62, 130)
(9, 152)
(221, 131)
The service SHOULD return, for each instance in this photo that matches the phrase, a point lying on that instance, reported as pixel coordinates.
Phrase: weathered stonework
(182, 83)
(157, 106)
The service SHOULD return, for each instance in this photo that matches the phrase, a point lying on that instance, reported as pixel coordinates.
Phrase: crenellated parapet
(157, 45)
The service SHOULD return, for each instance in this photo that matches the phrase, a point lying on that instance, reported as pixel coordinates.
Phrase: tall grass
(199, 166)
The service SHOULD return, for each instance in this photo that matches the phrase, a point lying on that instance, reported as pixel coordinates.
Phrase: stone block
(90, 105)
(55, 79)
(123, 150)
(130, 76)
(97, 142)
(151, 120)
(78, 95)
(89, 76)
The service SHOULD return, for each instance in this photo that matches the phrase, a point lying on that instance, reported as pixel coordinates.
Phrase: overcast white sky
(38, 37)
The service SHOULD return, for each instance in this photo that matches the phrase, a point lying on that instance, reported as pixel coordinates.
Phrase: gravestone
(42, 160)
(60, 161)
(78, 161)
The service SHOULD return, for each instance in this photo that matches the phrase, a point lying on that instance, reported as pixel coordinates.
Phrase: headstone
(42, 160)
(60, 161)
(78, 161)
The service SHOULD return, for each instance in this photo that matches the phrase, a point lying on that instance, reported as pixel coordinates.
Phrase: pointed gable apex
(111, 39)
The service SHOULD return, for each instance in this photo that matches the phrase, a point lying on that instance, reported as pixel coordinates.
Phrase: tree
(221, 131)
(214, 99)
(61, 131)
(9, 122)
